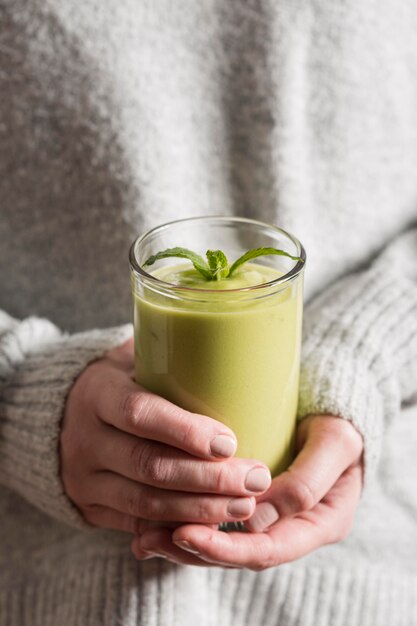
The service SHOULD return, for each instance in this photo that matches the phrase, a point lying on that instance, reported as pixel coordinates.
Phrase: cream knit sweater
(116, 115)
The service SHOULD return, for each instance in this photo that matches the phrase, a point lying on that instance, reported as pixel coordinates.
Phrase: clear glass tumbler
(231, 354)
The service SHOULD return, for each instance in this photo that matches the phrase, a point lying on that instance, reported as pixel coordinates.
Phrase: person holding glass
(117, 117)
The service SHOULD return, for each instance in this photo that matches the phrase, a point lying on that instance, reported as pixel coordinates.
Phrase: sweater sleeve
(359, 358)
(38, 365)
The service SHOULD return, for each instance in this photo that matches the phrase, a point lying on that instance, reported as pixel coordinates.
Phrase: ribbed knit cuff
(360, 338)
(32, 404)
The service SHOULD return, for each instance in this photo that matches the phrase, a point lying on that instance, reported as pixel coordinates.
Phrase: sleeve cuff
(31, 409)
(358, 341)
(335, 385)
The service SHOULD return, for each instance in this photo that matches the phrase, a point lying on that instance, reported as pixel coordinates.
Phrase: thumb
(331, 445)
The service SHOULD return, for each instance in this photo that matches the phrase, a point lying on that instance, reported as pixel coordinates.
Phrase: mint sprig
(217, 266)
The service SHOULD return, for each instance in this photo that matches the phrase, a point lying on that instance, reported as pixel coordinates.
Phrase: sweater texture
(118, 116)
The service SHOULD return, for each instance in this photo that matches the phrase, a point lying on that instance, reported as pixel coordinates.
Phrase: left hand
(310, 505)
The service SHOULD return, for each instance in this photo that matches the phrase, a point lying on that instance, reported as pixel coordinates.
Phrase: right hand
(130, 459)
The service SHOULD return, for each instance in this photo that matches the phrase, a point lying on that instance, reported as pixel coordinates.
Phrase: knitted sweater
(116, 116)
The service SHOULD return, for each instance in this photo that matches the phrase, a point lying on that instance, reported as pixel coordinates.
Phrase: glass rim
(288, 276)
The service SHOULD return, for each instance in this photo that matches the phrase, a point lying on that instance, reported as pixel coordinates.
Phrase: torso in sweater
(119, 116)
(116, 116)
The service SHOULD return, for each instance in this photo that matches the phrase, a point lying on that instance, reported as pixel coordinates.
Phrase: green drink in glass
(229, 346)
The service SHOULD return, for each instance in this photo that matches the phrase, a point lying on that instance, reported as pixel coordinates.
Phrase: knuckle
(149, 464)
(139, 458)
(188, 433)
(342, 432)
(340, 429)
(130, 407)
(222, 477)
(160, 470)
(136, 407)
(301, 494)
(204, 510)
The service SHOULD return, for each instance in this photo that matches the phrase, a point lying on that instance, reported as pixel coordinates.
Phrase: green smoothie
(231, 352)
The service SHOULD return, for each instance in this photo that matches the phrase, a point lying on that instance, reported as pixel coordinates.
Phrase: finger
(162, 547)
(162, 466)
(106, 517)
(289, 539)
(330, 447)
(130, 408)
(149, 503)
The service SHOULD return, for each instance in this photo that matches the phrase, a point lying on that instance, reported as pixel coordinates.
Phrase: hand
(130, 459)
(310, 505)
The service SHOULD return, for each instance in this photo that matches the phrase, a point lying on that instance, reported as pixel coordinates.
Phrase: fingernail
(258, 479)
(223, 445)
(160, 555)
(265, 515)
(186, 545)
(239, 507)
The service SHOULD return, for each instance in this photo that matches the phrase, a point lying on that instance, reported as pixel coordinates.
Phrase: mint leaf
(252, 254)
(218, 264)
(217, 267)
(198, 261)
